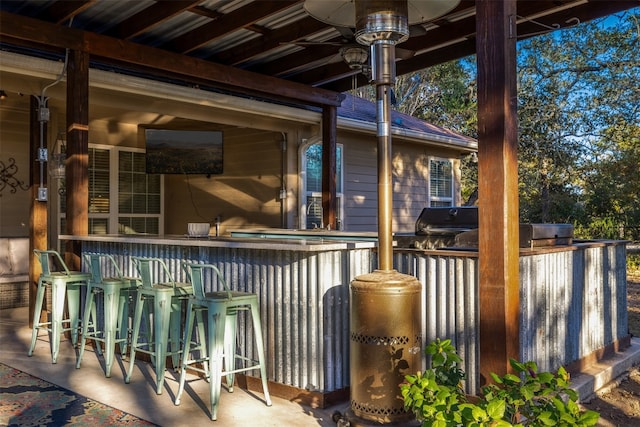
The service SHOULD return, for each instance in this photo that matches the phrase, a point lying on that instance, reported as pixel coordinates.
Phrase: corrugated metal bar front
(573, 303)
(304, 297)
(449, 301)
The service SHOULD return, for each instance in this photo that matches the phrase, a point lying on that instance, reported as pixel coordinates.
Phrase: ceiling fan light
(356, 57)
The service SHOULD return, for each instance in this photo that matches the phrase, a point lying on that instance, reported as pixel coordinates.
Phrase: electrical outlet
(42, 194)
(43, 154)
(43, 114)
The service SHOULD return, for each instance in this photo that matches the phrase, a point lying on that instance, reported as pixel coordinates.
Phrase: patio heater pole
(385, 305)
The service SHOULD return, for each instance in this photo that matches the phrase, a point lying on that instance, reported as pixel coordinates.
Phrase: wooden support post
(329, 144)
(38, 216)
(498, 186)
(77, 169)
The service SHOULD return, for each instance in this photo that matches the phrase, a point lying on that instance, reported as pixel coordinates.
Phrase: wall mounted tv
(183, 151)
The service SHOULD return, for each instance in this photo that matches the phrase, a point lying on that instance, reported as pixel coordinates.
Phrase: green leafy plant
(525, 398)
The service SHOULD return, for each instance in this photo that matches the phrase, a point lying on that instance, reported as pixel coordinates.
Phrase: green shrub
(527, 398)
(633, 263)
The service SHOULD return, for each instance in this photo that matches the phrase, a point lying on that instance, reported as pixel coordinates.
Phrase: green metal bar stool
(222, 308)
(164, 330)
(56, 274)
(113, 291)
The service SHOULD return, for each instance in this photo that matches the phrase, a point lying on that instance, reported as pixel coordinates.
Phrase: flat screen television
(183, 151)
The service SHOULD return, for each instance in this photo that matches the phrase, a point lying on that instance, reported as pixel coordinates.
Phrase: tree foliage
(579, 123)
(579, 105)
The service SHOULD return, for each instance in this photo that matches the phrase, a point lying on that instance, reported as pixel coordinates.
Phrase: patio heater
(385, 305)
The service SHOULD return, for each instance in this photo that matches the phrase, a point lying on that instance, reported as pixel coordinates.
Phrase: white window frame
(114, 215)
(441, 199)
(304, 194)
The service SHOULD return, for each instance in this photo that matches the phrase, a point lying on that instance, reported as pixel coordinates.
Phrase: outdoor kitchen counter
(303, 291)
(254, 242)
(573, 299)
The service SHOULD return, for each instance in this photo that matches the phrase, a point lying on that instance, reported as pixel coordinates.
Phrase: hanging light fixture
(58, 157)
(356, 57)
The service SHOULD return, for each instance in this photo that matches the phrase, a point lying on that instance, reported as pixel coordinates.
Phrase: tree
(578, 102)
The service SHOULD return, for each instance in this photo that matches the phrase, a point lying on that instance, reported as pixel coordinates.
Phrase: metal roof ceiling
(261, 36)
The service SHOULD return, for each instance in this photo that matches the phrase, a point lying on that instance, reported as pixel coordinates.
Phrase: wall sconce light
(58, 158)
(3, 94)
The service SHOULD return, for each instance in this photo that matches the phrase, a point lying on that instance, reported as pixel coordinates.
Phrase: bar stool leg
(230, 331)
(111, 296)
(137, 317)
(174, 331)
(73, 307)
(257, 331)
(202, 339)
(37, 314)
(89, 318)
(57, 308)
(217, 320)
(161, 322)
(188, 330)
(123, 320)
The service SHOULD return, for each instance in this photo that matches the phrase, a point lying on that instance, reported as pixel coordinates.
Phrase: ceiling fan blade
(347, 33)
(404, 53)
(314, 43)
(417, 30)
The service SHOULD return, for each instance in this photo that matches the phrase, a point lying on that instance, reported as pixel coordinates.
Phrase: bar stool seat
(113, 294)
(221, 308)
(62, 281)
(164, 330)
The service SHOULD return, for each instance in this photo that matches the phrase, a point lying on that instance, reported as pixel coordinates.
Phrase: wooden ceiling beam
(151, 16)
(160, 62)
(62, 10)
(239, 18)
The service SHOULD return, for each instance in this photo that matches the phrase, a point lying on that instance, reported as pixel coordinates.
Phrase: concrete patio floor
(240, 408)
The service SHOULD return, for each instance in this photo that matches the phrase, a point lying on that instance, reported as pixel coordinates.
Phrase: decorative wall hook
(8, 179)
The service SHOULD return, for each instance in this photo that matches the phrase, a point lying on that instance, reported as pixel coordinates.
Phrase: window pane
(314, 168)
(139, 193)
(440, 177)
(440, 183)
(132, 225)
(98, 180)
(98, 225)
(153, 205)
(314, 212)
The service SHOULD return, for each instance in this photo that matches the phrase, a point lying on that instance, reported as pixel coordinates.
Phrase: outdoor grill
(438, 227)
(531, 236)
(457, 228)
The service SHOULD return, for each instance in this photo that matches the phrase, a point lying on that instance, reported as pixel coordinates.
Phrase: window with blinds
(312, 165)
(139, 196)
(119, 174)
(440, 182)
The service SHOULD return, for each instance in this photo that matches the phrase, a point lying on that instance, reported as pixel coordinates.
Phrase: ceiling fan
(354, 54)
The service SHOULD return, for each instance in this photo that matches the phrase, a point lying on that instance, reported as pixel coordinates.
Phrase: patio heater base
(386, 344)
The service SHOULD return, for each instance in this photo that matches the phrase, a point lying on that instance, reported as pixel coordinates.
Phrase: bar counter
(302, 286)
(572, 297)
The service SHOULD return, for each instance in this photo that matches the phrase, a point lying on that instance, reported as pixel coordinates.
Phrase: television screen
(183, 151)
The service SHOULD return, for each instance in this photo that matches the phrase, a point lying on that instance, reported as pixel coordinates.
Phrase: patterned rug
(29, 401)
